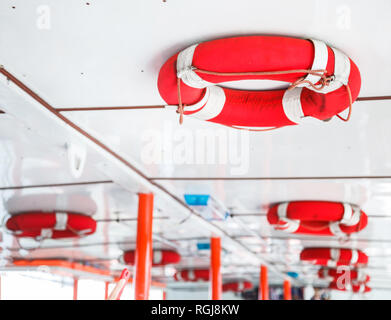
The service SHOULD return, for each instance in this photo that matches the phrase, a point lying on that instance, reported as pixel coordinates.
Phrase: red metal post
(287, 290)
(106, 289)
(75, 283)
(215, 269)
(143, 259)
(263, 291)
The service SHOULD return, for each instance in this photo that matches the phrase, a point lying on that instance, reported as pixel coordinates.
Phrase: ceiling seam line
(267, 178)
(56, 185)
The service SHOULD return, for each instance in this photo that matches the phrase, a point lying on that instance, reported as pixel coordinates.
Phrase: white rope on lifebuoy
(211, 105)
(185, 69)
(354, 258)
(292, 105)
(179, 276)
(319, 63)
(290, 224)
(351, 217)
(341, 72)
(335, 254)
(362, 288)
(61, 221)
(157, 257)
(191, 275)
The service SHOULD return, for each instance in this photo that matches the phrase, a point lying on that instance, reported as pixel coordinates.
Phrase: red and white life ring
(190, 78)
(354, 287)
(317, 217)
(335, 274)
(238, 286)
(53, 225)
(333, 257)
(192, 275)
(159, 257)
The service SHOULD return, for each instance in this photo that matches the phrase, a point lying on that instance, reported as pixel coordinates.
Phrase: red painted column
(75, 284)
(143, 259)
(287, 290)
(215, 269)
(106, 290)
(263, 291)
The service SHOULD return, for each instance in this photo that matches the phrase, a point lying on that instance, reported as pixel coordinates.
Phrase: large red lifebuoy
(354, 287)
(317, 217)
(335, 274)
(333, 257)
(238, 286)
(192, 275)
(159, 257)
(53, 225)
(189, 78)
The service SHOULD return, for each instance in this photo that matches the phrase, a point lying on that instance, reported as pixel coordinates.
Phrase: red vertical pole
(215, 266)
(106, 290)
(143, 259)
(287, 290)
(75, 283)
(164, 295)
(263, 291)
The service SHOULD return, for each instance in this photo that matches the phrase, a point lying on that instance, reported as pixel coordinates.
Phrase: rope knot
(181, 73)
(324, 80)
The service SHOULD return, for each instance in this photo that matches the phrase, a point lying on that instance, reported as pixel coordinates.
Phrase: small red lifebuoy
(317, 217)
(324, 81)
(333, 257)
(192, 275)
(238, 286)
(335, 274)
(50, 225)
(159, 257)
(354, 287)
